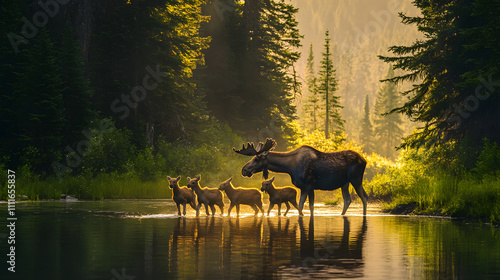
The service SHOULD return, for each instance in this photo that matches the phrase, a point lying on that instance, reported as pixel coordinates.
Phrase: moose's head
(225, 184)
(266, 185)
(259, 161)
(173, 181)
(192, 183)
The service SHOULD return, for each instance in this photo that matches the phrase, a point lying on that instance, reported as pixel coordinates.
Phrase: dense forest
(104, 99)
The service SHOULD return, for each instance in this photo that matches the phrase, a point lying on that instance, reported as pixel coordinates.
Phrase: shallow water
(146, 239)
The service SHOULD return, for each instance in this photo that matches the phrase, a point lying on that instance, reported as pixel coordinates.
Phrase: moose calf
(181, 195)
(206, 196)
(280, 195)
(239, 196)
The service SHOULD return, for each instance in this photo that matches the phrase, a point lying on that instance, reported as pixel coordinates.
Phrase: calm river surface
(145, 239)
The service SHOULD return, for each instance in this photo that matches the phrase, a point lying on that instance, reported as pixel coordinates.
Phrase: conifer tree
(388, 131)
(366, 133)
(326, 89)
(38, 88)
(455, 68)
(312, 105)
(76, 91)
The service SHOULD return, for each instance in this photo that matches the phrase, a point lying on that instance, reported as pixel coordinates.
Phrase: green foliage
(387, 127)
(110, 149)
(250, 77)
(488, 161)
(421, 176)
(454, 69)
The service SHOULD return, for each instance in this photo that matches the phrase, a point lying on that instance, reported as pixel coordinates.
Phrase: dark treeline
(156, 79)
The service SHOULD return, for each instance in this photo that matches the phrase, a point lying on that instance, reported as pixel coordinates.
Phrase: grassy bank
(438, 184)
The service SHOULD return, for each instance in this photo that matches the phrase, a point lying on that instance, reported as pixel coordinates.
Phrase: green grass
(105, 186)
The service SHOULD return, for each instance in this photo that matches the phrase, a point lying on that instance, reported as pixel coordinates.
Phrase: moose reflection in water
(284, 247)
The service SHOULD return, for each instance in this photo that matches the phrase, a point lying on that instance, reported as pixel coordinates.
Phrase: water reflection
(266, 247)
(89, 240)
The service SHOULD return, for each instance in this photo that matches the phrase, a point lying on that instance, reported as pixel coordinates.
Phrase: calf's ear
(178, 178)
(272, 179)
(198, 177)
(168, 178)
(189, 179)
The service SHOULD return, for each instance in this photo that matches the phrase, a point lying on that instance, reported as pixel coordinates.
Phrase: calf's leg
(287, 208)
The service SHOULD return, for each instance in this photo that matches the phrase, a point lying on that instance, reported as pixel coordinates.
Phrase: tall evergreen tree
(159, 40)
(326, 89)
(366, 134)
(76, 91)
(40, 118)
(312, 106)
(388, 131)
(456, 67)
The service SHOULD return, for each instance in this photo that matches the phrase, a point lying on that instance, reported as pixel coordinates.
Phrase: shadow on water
(261, 247)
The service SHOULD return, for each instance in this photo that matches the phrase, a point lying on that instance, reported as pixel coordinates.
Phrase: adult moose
(309, 169)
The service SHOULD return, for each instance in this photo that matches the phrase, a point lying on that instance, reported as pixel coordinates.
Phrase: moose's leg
(287, 208)
(255, 209)
(212, 207)
(193, 204)
(178, 208)
(358, 187)
(230, 208)
(237, 210)
(184, 207)
(347, 197)
(221, 206)
(206, 209)
(271, 205)
(260, 207)
(303, 196)
(279, 209)
(294, 203)
(311, 202)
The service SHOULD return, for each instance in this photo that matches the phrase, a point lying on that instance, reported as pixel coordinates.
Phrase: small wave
(153, 216)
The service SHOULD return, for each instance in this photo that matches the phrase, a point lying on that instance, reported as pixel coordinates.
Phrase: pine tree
(38, 87)
(455, 67)
(312, 105)
(326, 89)
(76, 90)
(388, 131)
(366, 133)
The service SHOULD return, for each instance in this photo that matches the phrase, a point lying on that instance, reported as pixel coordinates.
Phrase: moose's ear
(272, 179)
(168, 178)
(198, 177)
(178, 178)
